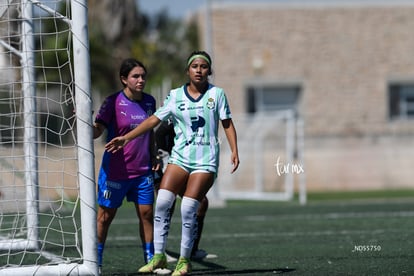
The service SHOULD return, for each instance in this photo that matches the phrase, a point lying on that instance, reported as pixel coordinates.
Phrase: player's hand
(235, 161)
(116, 144)
(156, 163)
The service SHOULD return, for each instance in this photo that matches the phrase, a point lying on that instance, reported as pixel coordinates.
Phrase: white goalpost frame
(287, 194)
(30, 134)
(294, 141)
(85, 150)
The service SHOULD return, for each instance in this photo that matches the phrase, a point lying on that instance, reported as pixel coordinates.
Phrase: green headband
(197, 56)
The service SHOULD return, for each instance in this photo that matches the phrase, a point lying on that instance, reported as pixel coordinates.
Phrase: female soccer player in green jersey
(196, 109)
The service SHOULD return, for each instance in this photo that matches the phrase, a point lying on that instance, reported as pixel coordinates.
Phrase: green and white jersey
(196, 122)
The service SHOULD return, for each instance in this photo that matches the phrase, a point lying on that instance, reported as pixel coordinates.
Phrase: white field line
(278, 218)
(337, 215)
(274, 234)
(332, 216)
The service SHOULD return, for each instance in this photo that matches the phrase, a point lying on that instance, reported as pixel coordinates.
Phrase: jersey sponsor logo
(123, 113)
(183, 107)
(138, 117)
(123, 103)
(201, 143)
(194, 107)
(197, 122)
(113, 185)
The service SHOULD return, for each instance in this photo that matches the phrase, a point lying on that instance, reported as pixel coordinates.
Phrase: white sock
(165, 200)
(189, 208)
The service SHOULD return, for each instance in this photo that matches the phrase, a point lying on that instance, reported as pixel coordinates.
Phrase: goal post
(47, 177)
(85, 147)
(271, 145)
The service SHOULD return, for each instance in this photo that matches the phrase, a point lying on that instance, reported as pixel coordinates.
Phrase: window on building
(401, 101)
(272, 97)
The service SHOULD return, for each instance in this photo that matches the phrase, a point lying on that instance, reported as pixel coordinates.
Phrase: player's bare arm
(119, 142)
(155, 159)
(231, 135)
(98, 129)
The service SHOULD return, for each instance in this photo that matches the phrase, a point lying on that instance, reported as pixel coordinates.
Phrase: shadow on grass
(216, 269)
(222, 271)
(212, 268)
(242, 271)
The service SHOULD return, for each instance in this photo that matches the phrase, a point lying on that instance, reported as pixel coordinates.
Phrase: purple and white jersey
(120, 115)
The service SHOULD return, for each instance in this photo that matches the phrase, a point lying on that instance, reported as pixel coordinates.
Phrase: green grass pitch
(334, 234)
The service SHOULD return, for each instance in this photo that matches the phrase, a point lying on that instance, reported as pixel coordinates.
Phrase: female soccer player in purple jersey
(127, 173)
(196, 108)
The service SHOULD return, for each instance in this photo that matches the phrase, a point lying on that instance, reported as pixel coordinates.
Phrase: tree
(112, 27)
(118, 30)
(165, 47)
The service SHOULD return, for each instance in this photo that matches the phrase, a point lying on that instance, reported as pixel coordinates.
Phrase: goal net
(47, 190)
(271, 152)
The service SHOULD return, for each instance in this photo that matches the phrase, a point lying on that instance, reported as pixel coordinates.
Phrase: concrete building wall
(344, 58)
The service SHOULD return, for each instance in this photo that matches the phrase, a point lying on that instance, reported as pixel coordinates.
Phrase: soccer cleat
(170, 258)
(159, 261)
(183, 267)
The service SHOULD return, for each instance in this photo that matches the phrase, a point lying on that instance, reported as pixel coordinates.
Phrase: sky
(176, 8)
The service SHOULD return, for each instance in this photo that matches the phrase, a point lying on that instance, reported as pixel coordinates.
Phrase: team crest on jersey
(210, 103)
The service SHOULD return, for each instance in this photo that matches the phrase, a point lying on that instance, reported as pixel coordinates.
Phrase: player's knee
(202, 209)
(165, 199)
(147, 215)
(105, 216)
(104, 221)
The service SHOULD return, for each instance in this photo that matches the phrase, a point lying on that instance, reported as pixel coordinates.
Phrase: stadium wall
(345, 57)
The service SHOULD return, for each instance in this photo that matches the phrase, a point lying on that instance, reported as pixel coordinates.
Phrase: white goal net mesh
(40, 205)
